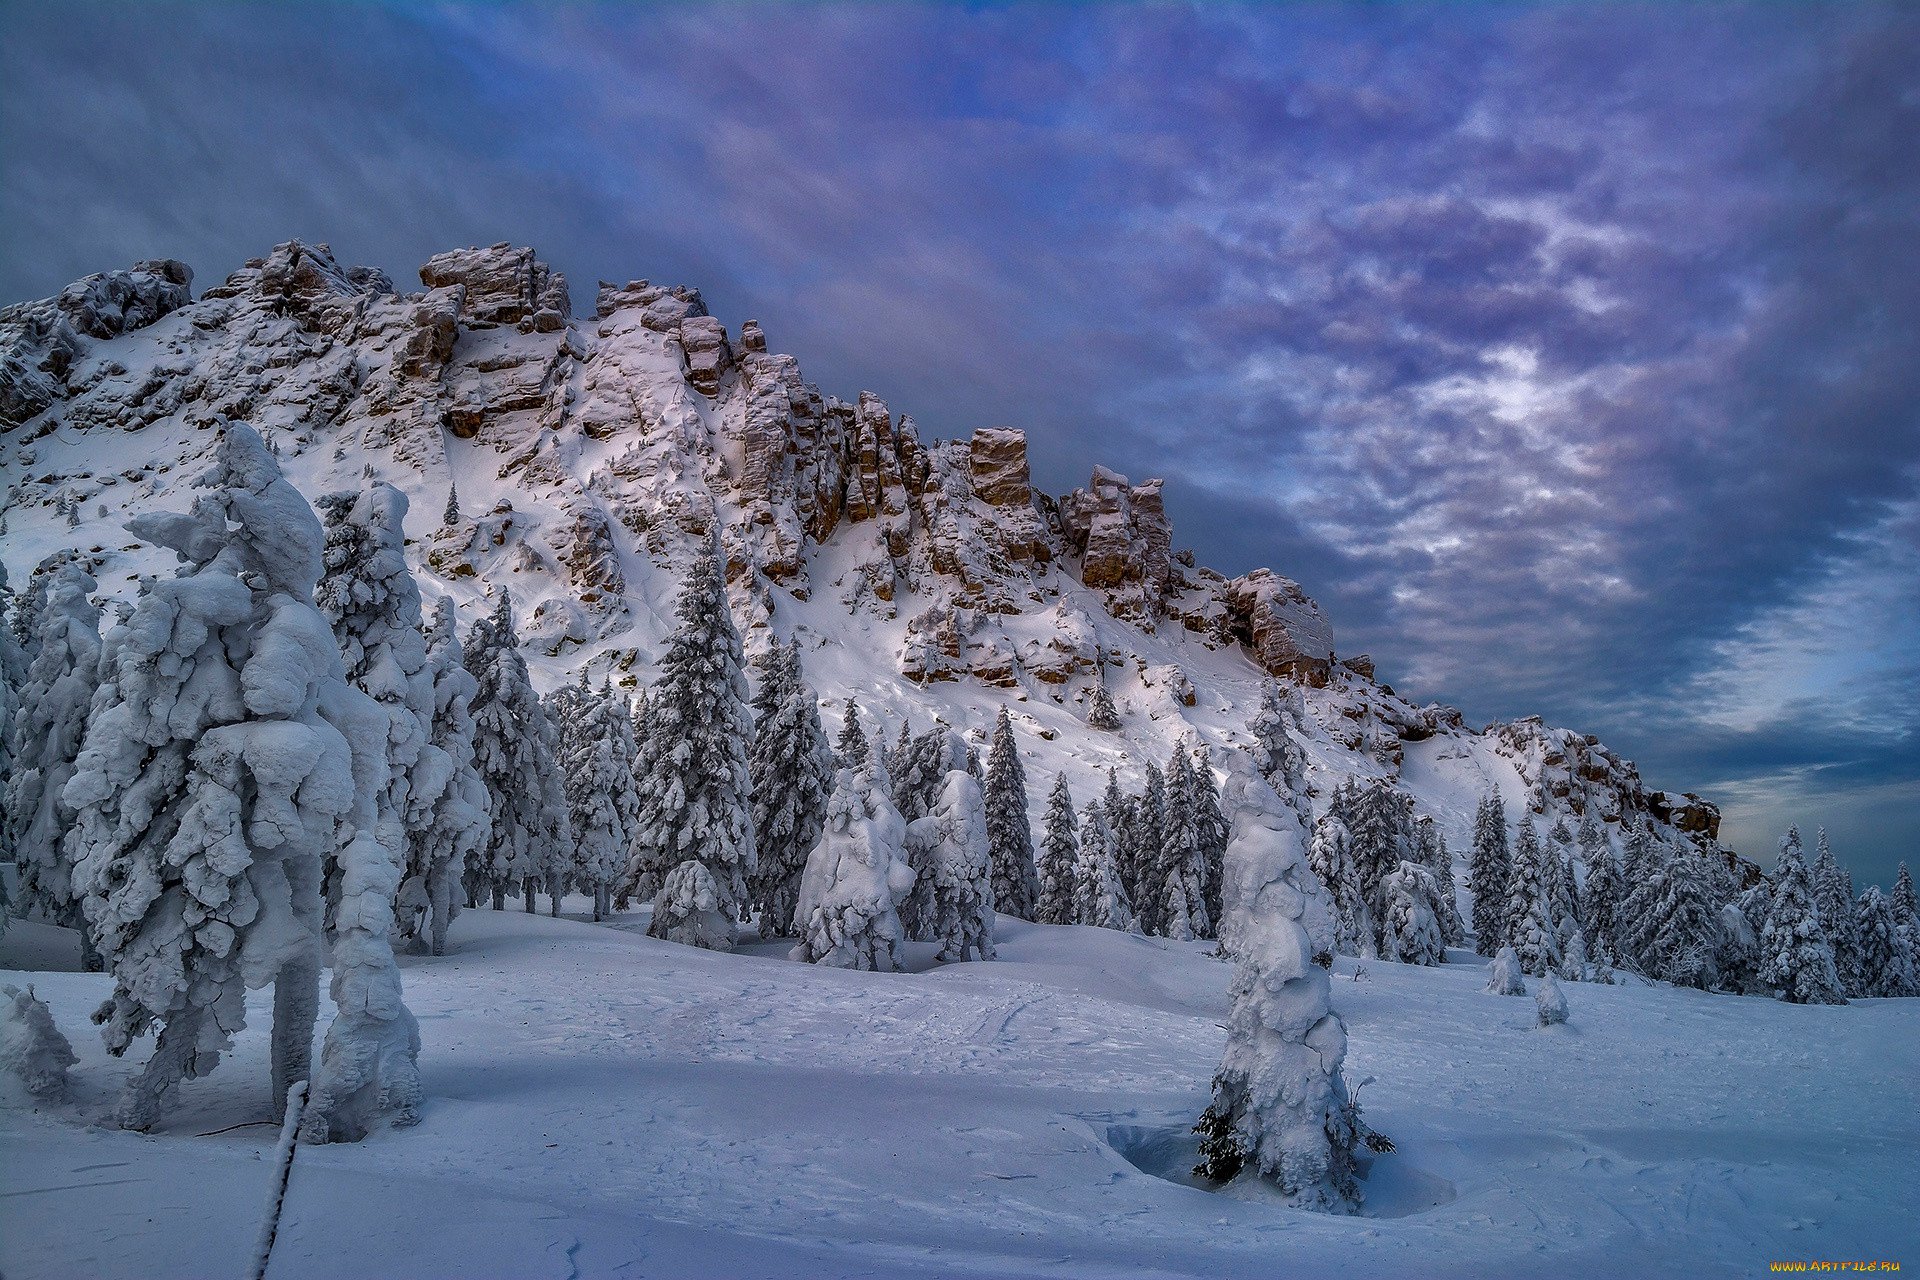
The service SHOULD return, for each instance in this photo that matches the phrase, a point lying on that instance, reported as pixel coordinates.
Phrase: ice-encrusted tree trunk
(225, 758)
(695, 789)
(596, 753)
(1016, 885)
(459, 817)
(960, 916)
(856, 876)
(1490, 872)
(1411, 932)
(1280, 1104)
(1059, 855)
(46, 733)
(514, 749)
(1529, 918)
(1796, 959)
(792, 769)
(369, 1062)
(1099, 894)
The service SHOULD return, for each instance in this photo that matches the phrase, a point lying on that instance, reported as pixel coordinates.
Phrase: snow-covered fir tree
(1504, 973)
(938, 749)
(1563, 893)
(1331, 864)
(13, 674)
(1211, 823)
(920, 767)
(695, 790)
(1141, 846)
(514, 751)
(1833, 893)
(1737, 958)
(1796, 960)
(456, 829)
(1410, 930)
(46, 733)
(960, 917)
(225, 757)
(1906, 913)
(1280, 1103)
(596, 760)
(1179, 871)
(1276, 750)
(1059, 855)
(1600, 900)
(1886, 962)
(1490, 873)
(1437, 858)
(1016, 885)
(1676, 933)
(851, 748)
(792, 769)
(1099, 894)
(1550, 1001)
(368, 1065)
(1529, 919)
(856, 875)
(1101, 713)
(450, 514)
(1380, 835)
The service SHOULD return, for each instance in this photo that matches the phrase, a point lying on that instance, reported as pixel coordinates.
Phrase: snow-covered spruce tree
(1796, 960)
(1178, 872)
(1141, 845)
(596, 761)
(1551, 1002)
(1280, 1104)
(1833, 893)
(1327, 857)
(961, 914)
(1906, 915)
(514, 750)
(695, 791)
(1099, 895)
(1437, 858)
(1060, 855)
(1737, 956)
(1529, 918)
(450, 515)
(1212, 826)
(1276, 752)
(225, 757)
(1410, 932)
(1600, 902)
(13, 674)
(792, 770)
(852, 746)
(456, 827)
(1563, 893)
(1504, 973)
(1490, 873)
(898, 754)
(920, 767)
(1016, 884)
(368, 1065)
(934, 754)
(641, 879)
(1101, 713)
(856, 876)
(1886, 961)
(46, 731)
(1117, 807)
(1681, 928)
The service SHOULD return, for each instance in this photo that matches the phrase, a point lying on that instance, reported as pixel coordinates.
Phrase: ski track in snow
(602, 1104)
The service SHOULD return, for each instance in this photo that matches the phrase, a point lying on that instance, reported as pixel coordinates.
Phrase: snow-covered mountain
(591, 456)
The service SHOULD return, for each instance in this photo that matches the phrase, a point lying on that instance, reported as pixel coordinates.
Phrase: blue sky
(1567, 354)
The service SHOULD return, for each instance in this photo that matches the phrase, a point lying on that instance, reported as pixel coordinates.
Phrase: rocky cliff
(593, 454)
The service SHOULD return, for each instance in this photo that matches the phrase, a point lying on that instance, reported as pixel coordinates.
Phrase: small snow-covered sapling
(31, 1046)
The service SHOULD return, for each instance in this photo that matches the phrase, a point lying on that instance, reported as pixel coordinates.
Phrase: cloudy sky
(1569, 355)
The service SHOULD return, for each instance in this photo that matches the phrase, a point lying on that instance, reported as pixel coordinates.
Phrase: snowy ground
(600, 1104)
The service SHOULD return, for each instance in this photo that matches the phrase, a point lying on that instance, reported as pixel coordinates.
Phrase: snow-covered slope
(602, 1104)
(591, 455)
